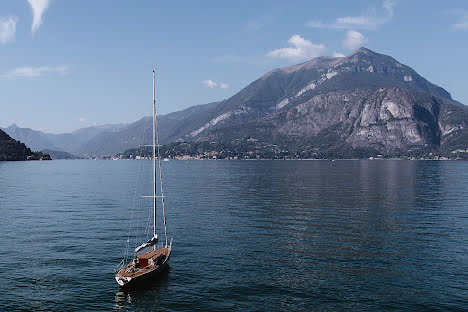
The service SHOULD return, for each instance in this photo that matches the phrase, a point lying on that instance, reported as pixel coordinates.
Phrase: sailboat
(148, 261)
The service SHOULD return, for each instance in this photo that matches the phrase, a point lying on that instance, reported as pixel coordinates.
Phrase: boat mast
(154, 154)
(155, 128)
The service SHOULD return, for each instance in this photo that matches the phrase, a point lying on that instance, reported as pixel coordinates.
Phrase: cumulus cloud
(213, 85)
(300, 50)
(354, 39)
(367, 20)
(38, 8)
(338, 54)
(7, 29)
(33, 72)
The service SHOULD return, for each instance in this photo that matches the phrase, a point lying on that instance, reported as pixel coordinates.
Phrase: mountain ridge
(365, 100)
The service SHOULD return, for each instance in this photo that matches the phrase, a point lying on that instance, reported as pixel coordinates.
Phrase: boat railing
(119, 266)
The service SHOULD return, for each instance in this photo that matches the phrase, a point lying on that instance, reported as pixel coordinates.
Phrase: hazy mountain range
(366, 100)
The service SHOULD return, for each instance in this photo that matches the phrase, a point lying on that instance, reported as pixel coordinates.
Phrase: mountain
(59, 154)
(66, 142)
(72, 142)
(364, 103)
(171, 127)
(36, 140)
(113, 138)
(365, 100)
(10, 149)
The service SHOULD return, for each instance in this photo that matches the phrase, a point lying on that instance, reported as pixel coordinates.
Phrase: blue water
(247, 235)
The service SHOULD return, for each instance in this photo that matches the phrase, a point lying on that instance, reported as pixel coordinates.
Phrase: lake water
(247, 235)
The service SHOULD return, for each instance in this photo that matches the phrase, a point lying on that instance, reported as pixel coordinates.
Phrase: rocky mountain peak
(363, 50)
(325, 62)
(321, 63)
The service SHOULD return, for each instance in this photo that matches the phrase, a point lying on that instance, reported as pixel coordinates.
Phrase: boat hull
(132, 280)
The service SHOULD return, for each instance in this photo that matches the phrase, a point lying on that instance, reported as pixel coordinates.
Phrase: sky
(66, 65)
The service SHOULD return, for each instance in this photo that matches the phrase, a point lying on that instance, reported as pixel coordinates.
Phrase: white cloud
(354, 39)
(33, 72)
(338, 54)
(300, 50)
(38, 8)
(462, 23)
(368, 20)
(213, 85)
(82, 119)
(210, 83)
(7, 29)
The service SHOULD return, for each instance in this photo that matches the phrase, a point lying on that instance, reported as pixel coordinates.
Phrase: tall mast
(155, 128)
(154, 154)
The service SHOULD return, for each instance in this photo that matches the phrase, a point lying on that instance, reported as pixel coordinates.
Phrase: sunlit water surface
(247, 235)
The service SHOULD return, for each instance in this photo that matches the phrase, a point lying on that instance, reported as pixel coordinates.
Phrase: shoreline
(269, 159)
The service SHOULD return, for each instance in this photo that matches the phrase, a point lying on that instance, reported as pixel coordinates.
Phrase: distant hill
(59, 154)
(111, 139)
(171, 127)
(67, 142)
(36, 140)
(10, 149)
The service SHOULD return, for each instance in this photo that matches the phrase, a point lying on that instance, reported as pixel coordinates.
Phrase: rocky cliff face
(388, 118)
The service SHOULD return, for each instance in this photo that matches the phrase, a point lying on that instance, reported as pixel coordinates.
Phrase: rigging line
(137, 224)
(140, 206)
(139, 181)
(132, 213)
(159, 165)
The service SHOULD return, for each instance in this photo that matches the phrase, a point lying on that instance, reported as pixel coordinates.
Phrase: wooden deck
(130, 271)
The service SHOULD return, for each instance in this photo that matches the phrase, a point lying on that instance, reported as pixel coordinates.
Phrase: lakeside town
(253, 149)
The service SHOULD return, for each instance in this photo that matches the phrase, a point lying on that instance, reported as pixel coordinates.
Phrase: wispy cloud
(33, 72)
(462, 22)
(301, 49)
(367, 20)
(82, 119)
(354, 39)
(7, 29)
(213, 85)
(38, 8)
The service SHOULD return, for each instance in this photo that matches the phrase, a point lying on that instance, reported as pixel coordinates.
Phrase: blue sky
(65, 65)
